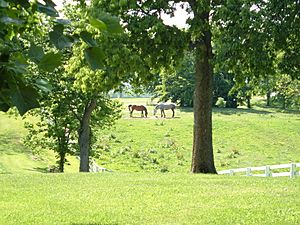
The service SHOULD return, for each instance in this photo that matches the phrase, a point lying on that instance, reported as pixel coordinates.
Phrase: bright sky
(178, 20)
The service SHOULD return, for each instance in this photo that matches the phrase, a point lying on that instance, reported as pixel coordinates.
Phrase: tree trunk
(283, 102)
(62, 157)
(84, 136)
(203, 158)
(248, 99)
(268, 98)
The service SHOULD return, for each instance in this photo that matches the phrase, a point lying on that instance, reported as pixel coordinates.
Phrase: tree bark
(202, 157)
(268, 98)
(84, 136)
(248, 99)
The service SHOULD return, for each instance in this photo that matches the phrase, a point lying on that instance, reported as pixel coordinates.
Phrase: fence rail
(292, 170)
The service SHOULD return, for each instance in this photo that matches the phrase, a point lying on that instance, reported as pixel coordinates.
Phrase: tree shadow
(39, 169)
(232, 111)
(186, 109)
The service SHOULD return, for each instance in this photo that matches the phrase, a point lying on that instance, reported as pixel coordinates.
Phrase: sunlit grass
(147, 198)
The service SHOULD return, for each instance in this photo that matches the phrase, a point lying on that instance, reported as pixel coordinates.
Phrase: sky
(178, 20)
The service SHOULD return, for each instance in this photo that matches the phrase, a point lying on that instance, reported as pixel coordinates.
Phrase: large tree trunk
(84, 136)
(203, 158)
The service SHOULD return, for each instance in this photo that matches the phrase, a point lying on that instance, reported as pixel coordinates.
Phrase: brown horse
(138, 108)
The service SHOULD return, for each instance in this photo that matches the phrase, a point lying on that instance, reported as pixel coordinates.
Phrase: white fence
(290, 170)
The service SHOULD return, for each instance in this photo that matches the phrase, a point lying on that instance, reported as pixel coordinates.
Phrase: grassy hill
(242, 138)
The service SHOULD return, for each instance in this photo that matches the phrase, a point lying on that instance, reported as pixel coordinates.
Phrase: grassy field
(147, 198)
(163, 191)
(242, 138)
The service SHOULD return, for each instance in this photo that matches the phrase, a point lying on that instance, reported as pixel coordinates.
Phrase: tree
(287, 91)
(162, 46)
(88, 75)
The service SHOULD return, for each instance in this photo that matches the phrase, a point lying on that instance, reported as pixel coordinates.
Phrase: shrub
(221, 103)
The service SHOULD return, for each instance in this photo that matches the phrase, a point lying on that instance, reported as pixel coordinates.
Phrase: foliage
(179, 85)
(287, 92)
(17, 19)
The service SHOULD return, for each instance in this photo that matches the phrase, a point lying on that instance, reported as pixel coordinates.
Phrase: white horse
(163, 107)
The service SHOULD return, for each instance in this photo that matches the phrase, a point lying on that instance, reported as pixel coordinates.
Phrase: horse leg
(131, 113)
(164, 113)
(142, 115)
(173, 112)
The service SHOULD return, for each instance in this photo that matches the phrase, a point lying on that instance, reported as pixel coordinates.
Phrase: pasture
(150, 183)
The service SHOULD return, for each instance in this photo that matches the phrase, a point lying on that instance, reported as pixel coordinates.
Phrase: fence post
(248, 172)
(292, 170)
(268, 171)
(231, 173)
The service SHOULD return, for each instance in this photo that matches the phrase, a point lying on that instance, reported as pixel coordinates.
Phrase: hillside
(242, 138)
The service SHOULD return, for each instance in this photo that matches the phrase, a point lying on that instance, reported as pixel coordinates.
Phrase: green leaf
(36, 53)
(112, 22)
(43, 85)
(95, 57)
(24, 98)
(58, 39)
(97, 23)
(88, 38)
(50, 61)
(47, 9)
(9, 20)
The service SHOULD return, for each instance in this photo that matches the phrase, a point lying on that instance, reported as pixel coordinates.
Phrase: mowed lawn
(147, 198)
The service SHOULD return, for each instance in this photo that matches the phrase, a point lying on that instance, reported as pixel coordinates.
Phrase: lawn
(147, 198)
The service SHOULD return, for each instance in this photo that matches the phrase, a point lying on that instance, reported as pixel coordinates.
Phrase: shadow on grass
(39, 169)
(231, 111)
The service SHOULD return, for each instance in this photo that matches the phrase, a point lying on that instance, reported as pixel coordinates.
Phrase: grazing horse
(163, 107)
(138, 108)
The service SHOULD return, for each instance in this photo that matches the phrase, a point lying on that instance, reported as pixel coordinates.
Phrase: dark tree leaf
(47, 9)
(57, 37)
(43, 85)
(95, 57)
(24, 98)
(9, 20)
(50, 61)
(36, 53)
(88, 38)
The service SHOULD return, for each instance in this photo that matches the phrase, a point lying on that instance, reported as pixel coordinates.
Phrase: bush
(221, 103)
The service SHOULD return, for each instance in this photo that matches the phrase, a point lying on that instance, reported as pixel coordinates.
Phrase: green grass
(15, 158)
(242, 138)
(147, 198)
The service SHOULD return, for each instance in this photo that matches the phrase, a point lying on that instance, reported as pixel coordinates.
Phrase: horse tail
(129, 107)
(146, 112)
